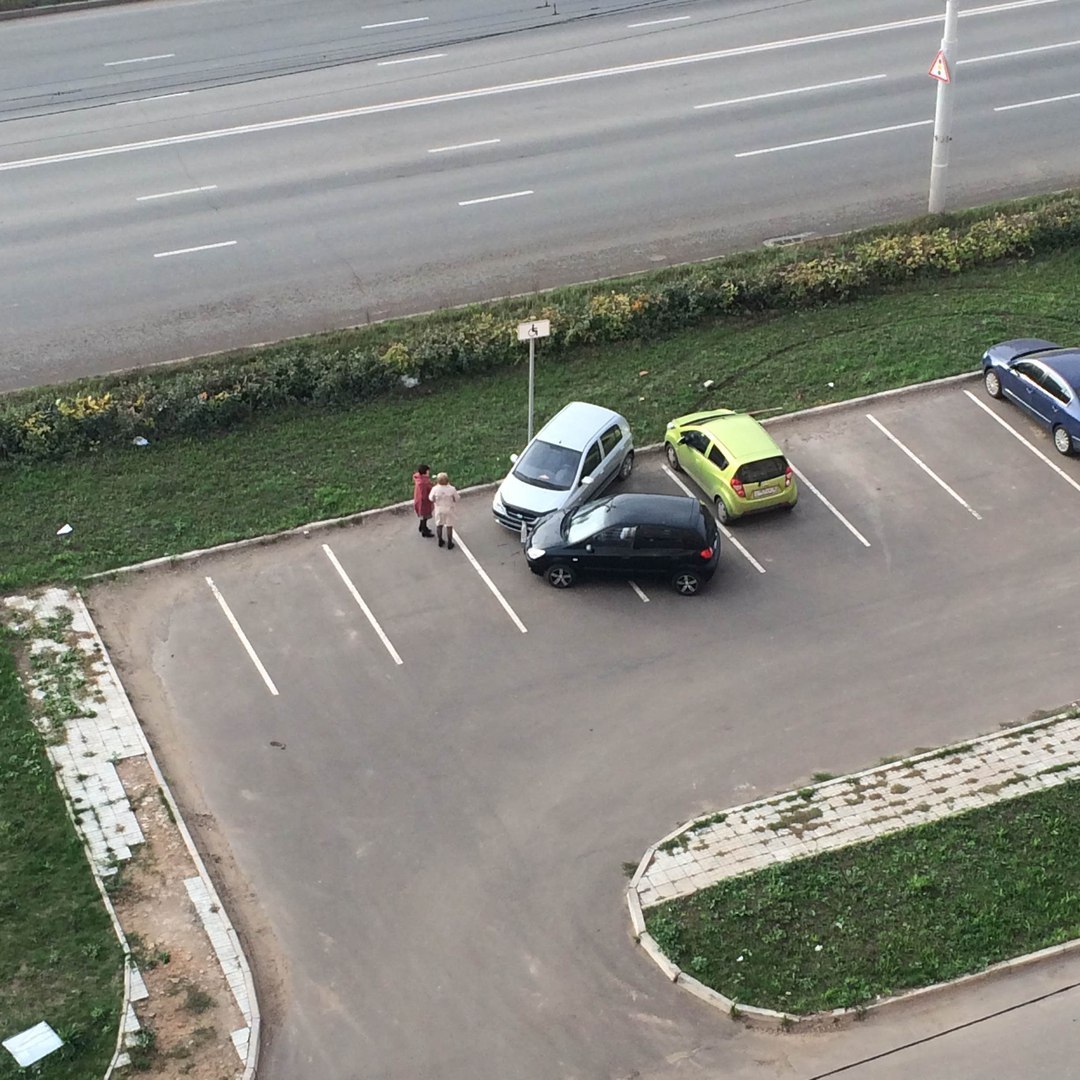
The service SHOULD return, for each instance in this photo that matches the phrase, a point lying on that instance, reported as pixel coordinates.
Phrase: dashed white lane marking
(243, 638)
(396, 22)
(786, 93)
(458, 542)
(410, 59)
(510, 88)
(188, 251)
(140, 59)
(1039, 101)
(641, 596)
(1019, 52)
(1016, 435)
(363, 606)
(156, 97)
(723, 528)
(463, 146)
(833, 138)
(496, 198)
(922, 465)
(829, 506)
(180, 191)
(658, 22)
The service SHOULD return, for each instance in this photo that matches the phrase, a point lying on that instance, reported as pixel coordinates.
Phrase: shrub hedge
(215, 393)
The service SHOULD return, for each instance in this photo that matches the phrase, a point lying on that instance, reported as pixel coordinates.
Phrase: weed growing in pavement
(909, 909)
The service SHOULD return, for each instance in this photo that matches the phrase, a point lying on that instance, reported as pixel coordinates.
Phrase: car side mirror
(513, 459)
(586, 479)
(588, 547)
(682, 441)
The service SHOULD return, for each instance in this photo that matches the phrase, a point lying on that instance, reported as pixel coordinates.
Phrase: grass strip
(59, 958)
(915, 908)
(301, 464)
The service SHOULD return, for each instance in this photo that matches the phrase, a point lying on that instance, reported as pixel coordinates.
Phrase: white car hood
(530, 497)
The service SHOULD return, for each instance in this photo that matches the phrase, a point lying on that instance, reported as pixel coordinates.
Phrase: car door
(610, 441)
(1027, 391)
(610, 551)
(693, 445)
(657, 550)
(589, 465)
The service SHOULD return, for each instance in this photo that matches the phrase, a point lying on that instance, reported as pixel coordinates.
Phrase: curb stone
(107, 731)
(972, 752)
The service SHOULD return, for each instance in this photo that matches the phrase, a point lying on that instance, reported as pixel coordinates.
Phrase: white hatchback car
(574, 456)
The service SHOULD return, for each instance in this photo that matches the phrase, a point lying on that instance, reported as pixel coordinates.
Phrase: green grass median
(912, 909)
(300, 464)
(59, 958)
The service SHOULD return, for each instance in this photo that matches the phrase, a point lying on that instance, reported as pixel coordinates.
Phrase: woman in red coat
(421, 498)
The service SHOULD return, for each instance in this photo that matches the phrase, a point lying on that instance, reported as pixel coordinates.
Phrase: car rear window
(757, 472)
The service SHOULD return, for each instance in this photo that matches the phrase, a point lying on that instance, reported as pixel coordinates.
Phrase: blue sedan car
(1043, 379)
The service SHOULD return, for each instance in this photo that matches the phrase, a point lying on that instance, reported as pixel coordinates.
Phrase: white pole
(532, 380)
(943, 111)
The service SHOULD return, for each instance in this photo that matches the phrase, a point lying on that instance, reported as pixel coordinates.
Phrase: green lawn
(59, 958)
(127, 504)
(912, 909)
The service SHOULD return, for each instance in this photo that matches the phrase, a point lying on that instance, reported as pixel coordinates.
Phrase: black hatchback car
(671, 536)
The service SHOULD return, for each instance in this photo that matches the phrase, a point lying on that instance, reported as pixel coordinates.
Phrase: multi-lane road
(179, 177)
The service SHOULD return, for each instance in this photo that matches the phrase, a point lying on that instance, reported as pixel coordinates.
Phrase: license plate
(763, 491)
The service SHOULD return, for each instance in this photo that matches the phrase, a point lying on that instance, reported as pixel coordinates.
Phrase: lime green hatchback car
(734, 460)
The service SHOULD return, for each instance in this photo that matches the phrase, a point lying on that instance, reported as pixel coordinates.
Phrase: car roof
(739, 433)
(634, 508)
(1066, 362)
(576, 425)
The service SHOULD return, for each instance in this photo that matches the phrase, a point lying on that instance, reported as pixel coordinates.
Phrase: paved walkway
(885, 799)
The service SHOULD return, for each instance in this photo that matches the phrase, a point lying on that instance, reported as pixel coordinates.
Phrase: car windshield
(586, 522)
(756, 472)
(548, 466)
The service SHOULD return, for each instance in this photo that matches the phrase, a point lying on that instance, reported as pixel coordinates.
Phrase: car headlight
(534, 553)
(497, 504)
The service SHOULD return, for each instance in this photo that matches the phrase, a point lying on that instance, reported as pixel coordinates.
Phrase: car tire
(627, 466)
(686, 582)
(992, 382)
(1062, 440)
(560, 575)
(722, 514)
(672, 457)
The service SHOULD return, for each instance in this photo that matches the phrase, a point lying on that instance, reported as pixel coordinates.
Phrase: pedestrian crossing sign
(939, 69)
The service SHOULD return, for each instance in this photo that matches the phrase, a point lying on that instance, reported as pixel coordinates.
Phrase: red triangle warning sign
(939, 69)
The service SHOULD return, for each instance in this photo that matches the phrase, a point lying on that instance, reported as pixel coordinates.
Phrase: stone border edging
(251, 1012)
(400, 507)
(771, 1019)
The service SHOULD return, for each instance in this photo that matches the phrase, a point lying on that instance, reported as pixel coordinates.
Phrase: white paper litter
(139, 440)
(33, 1044)
(64, 530)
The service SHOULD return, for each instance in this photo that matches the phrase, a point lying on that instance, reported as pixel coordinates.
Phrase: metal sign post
(941, 69)
(530, 331)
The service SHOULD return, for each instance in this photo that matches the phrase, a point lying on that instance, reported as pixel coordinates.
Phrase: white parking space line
(458, 542)
(641, 596)
(829, 506)
(922, 465)
(658, 22)
(1016, 435)
(181, 191)
(463, 146)
(727, 532)
(495, 198)
(190, 250)
(410, 59)
(363, 606)
(140, 59)
(243, 638)
(785, 93)
(833, 138)
(1039, 101)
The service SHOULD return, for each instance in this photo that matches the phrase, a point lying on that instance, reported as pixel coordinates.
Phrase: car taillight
(787, 477)
(736, 486)
(706, 553)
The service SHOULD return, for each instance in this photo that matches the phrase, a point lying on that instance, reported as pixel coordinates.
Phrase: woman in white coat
(444, 497)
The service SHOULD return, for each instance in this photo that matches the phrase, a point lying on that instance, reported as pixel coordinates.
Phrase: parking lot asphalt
(429, 853)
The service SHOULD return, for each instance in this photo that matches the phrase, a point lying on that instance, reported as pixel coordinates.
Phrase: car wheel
(560, 575)
(627, 466)
(672, 457)
(992, 382)
(1062, 440)
(722, 514)
(686, 582)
